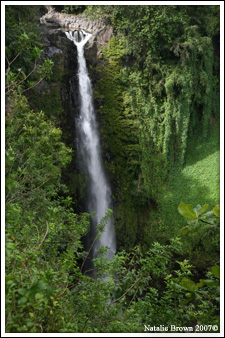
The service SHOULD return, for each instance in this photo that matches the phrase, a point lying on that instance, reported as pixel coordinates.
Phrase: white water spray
(99, 199)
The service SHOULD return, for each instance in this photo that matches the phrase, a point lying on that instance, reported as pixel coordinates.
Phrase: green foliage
(149, 288)
(156, 82)
(201, 232)
(169, 103)
(37, 163)
(115, 50)
(49, 101)
(45, 289)
(70, 9)
(198, 217)
(22, 37)
(198, 180)
(195, 292)
(188, 211)
(24, 68)
(18, 81)
(198, 294)
(102, 12)
(119, 133)
(39, 223)
(169, 80)
(47, 98)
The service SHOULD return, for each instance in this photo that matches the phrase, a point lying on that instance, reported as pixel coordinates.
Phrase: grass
(196, 183)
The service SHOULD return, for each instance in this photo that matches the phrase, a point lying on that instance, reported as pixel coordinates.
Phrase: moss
(119, 131)
(147, 127)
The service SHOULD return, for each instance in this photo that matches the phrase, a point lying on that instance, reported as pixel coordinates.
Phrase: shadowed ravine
(99, 193)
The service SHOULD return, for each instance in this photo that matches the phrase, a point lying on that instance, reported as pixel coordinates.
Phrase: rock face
(64, 54)
(56, 43)
(101, 34)
(68, 21)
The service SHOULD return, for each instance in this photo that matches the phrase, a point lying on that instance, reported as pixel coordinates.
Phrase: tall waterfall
(99, 195)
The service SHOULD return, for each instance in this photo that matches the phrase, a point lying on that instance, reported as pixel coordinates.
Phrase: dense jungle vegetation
(156, 87)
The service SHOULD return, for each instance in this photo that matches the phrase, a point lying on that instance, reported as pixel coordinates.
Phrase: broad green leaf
(24, 75)
(30, 323)
(216, 271)
(212, 282)
(203, 209)
(186, 210)
(188, 294)
(216, 210)
(187, 300)
(197, 209)
(38, 295)
(9, 277)
(185, 230)
(11, 245)
(168, 277)
(22, 300)
(36, 52)
(189, 285)
(200, 283)
(20, 90)
(22, 291)
(42, 285)
(209, 213)
(206, 293)
(180, 287)
(24, 37)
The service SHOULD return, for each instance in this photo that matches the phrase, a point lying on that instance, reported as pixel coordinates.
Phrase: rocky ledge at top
(101, 34)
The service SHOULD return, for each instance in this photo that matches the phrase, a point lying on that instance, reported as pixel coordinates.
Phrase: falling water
(99, 196)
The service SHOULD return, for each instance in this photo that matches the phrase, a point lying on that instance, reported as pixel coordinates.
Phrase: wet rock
(58, 38)
(53, 52)
(58, 47)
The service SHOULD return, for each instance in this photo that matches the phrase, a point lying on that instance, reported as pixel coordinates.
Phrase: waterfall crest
(99, 196)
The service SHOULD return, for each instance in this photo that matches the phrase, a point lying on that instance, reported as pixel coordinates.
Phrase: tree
(40, 225)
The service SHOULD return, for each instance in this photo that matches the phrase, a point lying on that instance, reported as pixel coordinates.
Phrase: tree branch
(130, 303)
(34, 84)
(35, 66)
(43, 239)
(16, 56)
(7, 60)
(91, 315)
(28, 192)
(88, 252)
(124, 292)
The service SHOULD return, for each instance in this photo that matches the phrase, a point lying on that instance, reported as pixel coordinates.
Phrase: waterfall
(99, 193)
